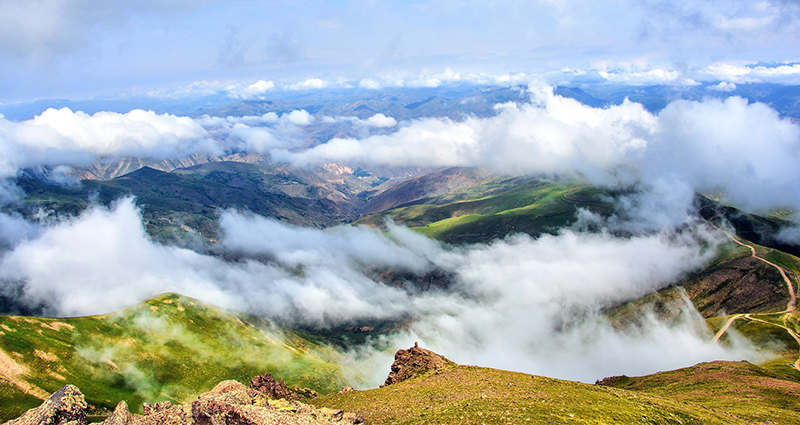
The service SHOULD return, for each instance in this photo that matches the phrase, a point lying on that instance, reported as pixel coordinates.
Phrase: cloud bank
(744, 150)
(520, 303)
(61, 136)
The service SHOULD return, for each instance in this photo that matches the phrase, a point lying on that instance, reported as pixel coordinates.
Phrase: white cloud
(536, 301)
(723, 86)
(256, 89)
(370, 84)
(310, 84)
(751, 73)
(698, 146)
(560, 135)
(649, 77)
(299, 117)
(261, 133)
(380, 121)
(61, 136)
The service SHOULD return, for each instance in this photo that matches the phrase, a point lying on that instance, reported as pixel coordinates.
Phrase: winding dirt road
(791, 306)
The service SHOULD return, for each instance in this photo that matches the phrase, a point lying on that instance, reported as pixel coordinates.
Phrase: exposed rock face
(229, 403)
(267, 384)
(277, 389)
(414, 362)
(65, 407)
(232, 403)
(120, 416)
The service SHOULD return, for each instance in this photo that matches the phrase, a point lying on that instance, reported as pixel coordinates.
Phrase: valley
(113, 357)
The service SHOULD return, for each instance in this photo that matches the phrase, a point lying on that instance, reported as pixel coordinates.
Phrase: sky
(84, 48)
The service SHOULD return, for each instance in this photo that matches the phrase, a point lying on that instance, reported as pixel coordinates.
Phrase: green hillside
(476, 395)
(535, 207)
(169, 348)
(750, 393)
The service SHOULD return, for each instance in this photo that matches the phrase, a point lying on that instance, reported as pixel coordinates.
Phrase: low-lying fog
(521, 303)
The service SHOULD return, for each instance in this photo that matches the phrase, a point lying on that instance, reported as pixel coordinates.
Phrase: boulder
(229, 403)
(120, 416)
(277, 389)
(268, 385)
(65, 406)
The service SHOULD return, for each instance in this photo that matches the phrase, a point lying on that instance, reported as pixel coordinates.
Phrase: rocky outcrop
(267, 384)
(414, 362)
(120, 416)
(65, 407)
(229, 403)
(277, 389)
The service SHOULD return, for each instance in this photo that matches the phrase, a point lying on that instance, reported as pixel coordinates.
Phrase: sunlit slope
(168, 348)
(475, 395)
(535, 207)
(750, 393)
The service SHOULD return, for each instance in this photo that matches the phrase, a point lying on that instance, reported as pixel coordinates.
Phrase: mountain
(186, 201)
(427, 186)
(401, 104)
(168, 348)
(491, 209)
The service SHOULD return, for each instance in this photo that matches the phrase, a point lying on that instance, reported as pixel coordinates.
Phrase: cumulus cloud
(380, 121)
(258, 133)
(310, 84)
(647, 77)
(256, 89)
(723, 86)
(370, 84)
(786, 73)
(554, 134)
(61, 136)
(535, 301)
(747, 151)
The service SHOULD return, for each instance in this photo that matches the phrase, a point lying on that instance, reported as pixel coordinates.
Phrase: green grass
(750, 393)
(169, 348)
(475, 395)
(533, 208)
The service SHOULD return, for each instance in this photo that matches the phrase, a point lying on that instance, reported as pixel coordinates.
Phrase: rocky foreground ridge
(266, 401)
(229, 403)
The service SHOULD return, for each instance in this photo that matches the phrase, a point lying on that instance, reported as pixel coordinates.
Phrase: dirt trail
(725, 327)
(791, 306)
(791, 332)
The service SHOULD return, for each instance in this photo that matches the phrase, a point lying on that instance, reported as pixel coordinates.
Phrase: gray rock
(65, 407)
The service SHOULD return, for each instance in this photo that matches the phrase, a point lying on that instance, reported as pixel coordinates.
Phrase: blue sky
(82, 48)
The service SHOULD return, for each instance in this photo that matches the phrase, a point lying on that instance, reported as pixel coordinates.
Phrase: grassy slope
(475, 395)
(751, 393)
(169, 348)
(534, 208)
